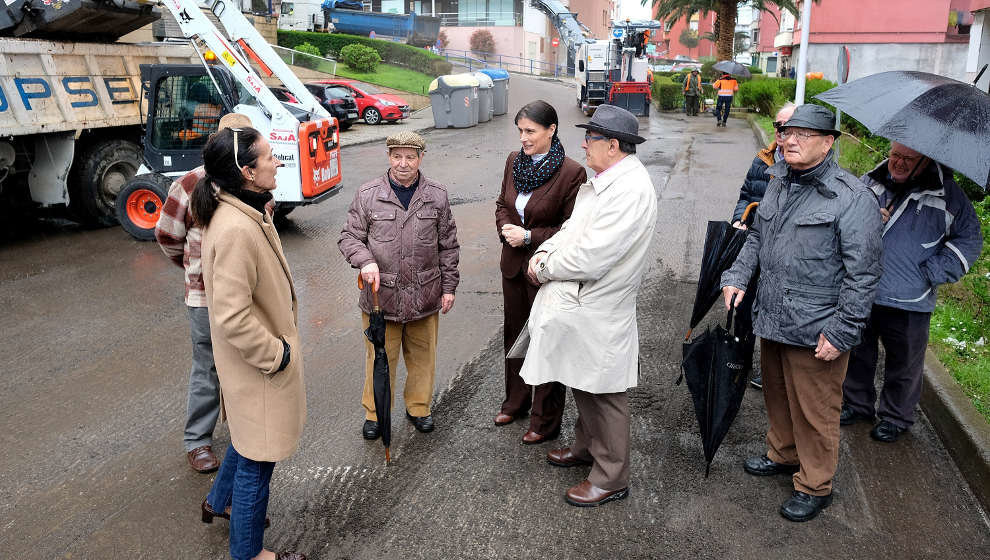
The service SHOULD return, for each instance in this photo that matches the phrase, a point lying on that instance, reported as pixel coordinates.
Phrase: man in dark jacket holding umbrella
(816, 241)
(931, 236)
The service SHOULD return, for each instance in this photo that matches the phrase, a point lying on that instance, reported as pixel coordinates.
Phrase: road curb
(761, 135)
(964, 432)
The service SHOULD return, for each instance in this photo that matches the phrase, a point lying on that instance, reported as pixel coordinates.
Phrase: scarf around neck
(528, 176)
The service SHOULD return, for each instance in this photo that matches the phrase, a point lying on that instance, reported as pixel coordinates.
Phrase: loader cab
(183, 108)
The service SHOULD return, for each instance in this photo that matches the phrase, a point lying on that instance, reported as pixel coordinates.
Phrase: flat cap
(406, 139)
(814, 117)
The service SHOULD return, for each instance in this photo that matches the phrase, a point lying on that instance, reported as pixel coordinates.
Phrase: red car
(373, 105)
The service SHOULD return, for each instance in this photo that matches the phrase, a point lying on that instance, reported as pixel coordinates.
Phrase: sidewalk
(471, 490)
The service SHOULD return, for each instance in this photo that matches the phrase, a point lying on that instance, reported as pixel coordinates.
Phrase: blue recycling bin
(500, 82)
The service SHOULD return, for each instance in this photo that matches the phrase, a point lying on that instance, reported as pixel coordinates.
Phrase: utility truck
(105, 127)
(616, 70)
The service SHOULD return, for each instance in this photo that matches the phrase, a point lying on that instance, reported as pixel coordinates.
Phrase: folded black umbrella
(716, 366)
(381, 379)
(945, 119)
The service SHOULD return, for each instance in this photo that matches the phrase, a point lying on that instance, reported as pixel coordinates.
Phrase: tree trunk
(726, 28)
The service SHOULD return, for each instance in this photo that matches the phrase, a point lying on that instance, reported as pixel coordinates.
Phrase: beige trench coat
(252, 304)
(582, 330)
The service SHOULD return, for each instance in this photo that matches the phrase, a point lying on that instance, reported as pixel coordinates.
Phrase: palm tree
(726, 11)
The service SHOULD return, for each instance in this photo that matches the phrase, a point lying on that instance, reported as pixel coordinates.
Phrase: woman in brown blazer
(254, 326)
(539, 186)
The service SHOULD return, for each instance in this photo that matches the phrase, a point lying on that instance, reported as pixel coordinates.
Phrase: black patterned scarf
(529, 176)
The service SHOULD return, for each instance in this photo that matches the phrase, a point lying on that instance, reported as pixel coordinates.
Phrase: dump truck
(104, 127)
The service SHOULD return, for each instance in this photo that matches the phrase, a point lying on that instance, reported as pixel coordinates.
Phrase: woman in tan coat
(539, 186)
(253, 321)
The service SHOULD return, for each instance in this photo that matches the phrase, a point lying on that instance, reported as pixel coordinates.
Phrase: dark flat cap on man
(814, 117)
(615, 122)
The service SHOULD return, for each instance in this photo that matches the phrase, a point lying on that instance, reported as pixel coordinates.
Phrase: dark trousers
(905, 337)
(601, 435)
(546, 401)
(722, 108)
(691, 104)
(242, 484)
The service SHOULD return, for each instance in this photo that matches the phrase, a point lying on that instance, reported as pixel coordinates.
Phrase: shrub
(482, 41)
(707, 72)
(762, 95)
(973, 191)
(308, 49)
(667, 94)
(755, 70)
(360, 57)
(398, 54)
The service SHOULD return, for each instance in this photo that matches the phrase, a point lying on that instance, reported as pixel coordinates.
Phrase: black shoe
(757, 382)
(849, 416)
(423, 423)
(370, 430)
(763, 466)
(804, 507)
(886, 432)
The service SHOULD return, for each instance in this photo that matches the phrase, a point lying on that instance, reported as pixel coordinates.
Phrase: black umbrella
(732, 67)
(945, 119)
(722, 245)
(716, 366)
(382, 383)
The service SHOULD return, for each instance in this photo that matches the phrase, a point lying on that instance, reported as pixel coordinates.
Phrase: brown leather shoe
(502, 419)
(202, 459)
(587, 494)
(290, 556)
(209, 514)
(564, 458)
(532, 438)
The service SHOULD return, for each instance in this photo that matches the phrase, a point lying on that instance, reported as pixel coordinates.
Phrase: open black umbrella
(732, 67)
(945, 119)
(382, 382)
(716, 365)
(722, 245)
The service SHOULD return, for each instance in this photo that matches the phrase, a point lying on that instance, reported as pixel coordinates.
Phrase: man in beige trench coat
(582, 330)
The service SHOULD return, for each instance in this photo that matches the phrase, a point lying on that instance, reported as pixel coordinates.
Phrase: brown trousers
(601, 434)
(418, 342)
(546, 400)
(803, 396)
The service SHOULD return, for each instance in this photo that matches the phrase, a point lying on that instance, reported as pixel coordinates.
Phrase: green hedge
(667, 94)
(398, 54)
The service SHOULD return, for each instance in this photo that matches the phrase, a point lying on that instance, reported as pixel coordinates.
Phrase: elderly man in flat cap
(816, 241)
(582, 329)
(401, 234)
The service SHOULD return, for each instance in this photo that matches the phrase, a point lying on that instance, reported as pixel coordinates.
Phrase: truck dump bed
(79, 20)
(50, 86)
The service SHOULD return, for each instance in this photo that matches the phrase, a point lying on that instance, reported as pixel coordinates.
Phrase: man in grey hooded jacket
(816, 241)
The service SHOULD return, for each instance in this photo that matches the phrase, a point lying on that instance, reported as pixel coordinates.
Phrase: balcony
(783, 39)
(480, 19)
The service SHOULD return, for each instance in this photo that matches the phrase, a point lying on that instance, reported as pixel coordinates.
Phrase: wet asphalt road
(97, 352)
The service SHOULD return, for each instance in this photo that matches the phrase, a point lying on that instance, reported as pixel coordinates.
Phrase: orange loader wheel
(139, 204)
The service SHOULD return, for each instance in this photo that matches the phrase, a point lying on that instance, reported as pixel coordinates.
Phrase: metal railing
(311, 61)
(475, 60)
(480, 19)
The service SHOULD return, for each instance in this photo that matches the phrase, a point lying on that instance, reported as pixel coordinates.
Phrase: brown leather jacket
(416, 250)
(548, 208)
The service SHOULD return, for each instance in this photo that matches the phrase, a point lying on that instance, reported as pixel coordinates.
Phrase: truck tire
(282, 211)
(99, 175)
(140, 203)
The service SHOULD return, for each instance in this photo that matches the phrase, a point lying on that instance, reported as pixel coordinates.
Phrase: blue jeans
(242, 484)
(722, 108)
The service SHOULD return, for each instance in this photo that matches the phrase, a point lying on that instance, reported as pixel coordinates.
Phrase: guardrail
(306, 60)
(475, 60)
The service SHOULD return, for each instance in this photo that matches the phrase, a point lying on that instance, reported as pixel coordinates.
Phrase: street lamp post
(802, 69)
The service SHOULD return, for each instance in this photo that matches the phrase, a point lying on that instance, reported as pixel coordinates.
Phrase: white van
(301, 15)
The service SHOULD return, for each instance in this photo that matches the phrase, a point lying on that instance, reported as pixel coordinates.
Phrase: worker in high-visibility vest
(692, 90)
(725, 87)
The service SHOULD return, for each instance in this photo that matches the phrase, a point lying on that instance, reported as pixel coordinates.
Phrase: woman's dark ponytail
(222, 170)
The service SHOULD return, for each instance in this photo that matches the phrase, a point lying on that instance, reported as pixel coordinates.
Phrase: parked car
(373, 105)
(284, 95)
(337, 100)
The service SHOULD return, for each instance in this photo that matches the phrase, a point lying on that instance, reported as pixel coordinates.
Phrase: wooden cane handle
(749, 208)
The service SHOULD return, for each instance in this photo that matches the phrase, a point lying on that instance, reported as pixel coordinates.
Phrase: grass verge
(390, 76)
